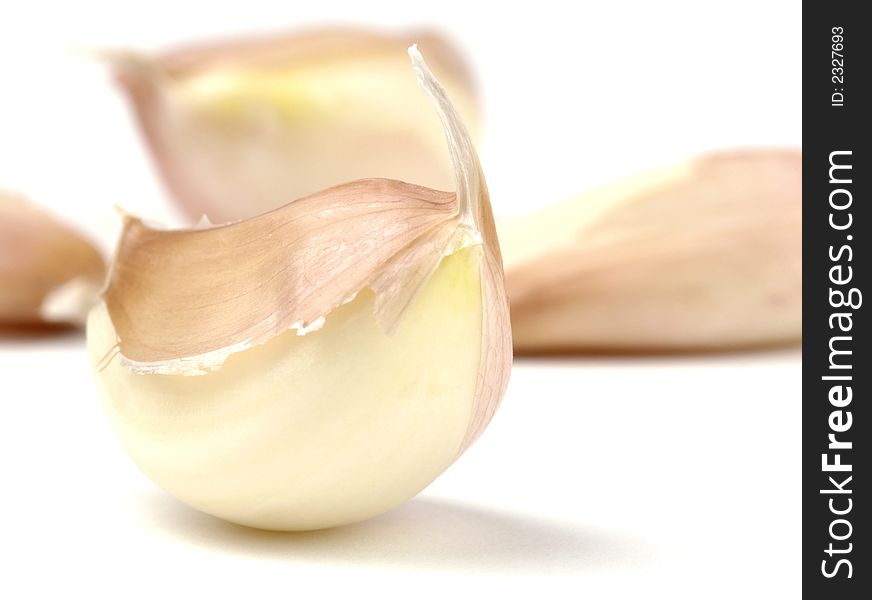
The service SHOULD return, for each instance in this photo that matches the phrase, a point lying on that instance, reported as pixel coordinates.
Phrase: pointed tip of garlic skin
(702, 256)
(241, 128)
(315, 365)
(48, 273)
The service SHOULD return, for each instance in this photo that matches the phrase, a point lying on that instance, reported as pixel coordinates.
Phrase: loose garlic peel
(48, 273)
(316, 365)
(706, 255)
(239, 129)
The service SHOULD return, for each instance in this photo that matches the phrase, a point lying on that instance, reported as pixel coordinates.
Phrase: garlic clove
(703, 256)
(48, 273)
(240, 128)
(315, 365)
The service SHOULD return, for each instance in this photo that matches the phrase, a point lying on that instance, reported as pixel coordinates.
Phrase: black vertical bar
(837, 224)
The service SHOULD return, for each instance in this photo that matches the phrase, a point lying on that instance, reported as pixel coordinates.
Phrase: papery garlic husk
(49, 274)
(237, 129)
(706, 255)
(316, 365)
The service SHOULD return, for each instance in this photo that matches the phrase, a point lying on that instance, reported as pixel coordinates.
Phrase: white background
(599, 478)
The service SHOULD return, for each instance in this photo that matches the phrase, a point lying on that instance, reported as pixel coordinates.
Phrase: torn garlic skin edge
(465, 235)
(345, 348)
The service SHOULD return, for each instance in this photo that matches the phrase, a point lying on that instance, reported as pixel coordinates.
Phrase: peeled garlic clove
(48, 273)
(238, 129)
(316, 365)
(706, 255)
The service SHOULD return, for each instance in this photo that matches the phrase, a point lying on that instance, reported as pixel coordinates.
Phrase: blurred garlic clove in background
(703, 256)
(240, 128)
(49, 274)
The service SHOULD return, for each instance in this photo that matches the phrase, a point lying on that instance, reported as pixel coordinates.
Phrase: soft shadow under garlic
(423, 533)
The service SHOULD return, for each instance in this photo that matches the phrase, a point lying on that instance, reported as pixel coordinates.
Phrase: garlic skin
(49, 274)
(316, 365)
(703, 256)
(241, 128)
